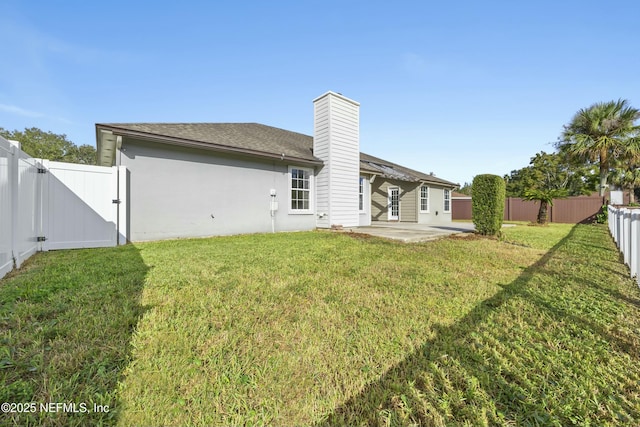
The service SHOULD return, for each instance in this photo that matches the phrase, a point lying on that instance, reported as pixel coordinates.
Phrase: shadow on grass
(524, 356)
(66, 319)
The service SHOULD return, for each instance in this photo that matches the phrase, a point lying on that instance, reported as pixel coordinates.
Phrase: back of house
(206, 179)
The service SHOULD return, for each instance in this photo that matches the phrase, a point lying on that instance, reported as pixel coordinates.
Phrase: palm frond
(546, 195)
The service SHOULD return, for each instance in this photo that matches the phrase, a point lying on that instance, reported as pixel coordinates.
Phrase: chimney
(336, 141)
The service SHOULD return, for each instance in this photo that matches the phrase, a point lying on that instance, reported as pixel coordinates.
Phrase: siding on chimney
(337, 142)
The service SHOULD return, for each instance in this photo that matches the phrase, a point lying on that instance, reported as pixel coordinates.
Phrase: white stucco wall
(180, 192)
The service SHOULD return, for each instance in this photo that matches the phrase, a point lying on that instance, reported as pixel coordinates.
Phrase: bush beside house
(487, 208)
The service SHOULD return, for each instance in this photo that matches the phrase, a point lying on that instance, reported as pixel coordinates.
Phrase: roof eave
(441, 183)
(106, 147)
(183, 142)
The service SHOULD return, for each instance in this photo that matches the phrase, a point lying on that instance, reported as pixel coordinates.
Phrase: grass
(66, 320)
(540, 328)
(530, 235)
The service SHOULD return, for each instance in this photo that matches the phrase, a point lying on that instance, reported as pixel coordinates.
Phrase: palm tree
(602, 133)
(627, 176)
(545, 197)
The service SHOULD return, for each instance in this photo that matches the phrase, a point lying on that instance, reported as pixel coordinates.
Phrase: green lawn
(318, 328)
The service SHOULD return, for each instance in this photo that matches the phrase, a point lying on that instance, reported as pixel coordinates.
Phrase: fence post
(619, 228)
(610, 223)
(119, 173)
(633, 256)
(616, 226)
(14, 188)
(613, 219)
(636, 256)
(626, 224)
(45, 227)
(623, 236)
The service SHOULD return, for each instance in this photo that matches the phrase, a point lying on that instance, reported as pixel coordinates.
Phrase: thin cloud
(19, 111)
(37, 46)
(415, 63)
(13, 109)
(421, 65)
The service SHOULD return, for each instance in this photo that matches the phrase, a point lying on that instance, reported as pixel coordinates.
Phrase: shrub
(487, 206)
(601, 217)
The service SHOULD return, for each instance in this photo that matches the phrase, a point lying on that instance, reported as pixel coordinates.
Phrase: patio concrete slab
(410, 233)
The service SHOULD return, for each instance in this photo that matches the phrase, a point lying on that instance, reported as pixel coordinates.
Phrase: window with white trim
(300, 183)
(447, 200)
(424, 199)
(361, 194)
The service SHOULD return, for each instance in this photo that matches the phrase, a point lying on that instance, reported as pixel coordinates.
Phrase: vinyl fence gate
(46, 205)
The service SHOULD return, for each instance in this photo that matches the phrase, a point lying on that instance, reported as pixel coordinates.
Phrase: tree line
(598, 148)
(48, 145)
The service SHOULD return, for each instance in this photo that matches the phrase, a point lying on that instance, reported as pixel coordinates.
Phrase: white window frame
(361, 192)
(446, 199)
(311, 191)
(428, 199)
(390, 217)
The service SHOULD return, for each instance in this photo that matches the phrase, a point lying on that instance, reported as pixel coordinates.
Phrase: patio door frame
(391, 202)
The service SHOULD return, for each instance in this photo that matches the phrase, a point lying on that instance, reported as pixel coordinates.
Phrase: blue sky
(455, 88)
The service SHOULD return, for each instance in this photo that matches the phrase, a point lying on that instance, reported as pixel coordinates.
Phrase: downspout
(273, 204)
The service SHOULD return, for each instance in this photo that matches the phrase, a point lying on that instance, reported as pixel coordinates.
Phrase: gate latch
(116, 201)
(41, 239)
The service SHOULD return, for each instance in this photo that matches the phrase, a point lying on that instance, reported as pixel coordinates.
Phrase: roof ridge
(129, 124)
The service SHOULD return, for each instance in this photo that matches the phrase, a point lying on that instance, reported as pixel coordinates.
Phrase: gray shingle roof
(253, 137)
(391, 170)
(260, 139)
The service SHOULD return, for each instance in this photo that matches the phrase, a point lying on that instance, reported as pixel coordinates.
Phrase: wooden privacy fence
(624, 226)
(573, 210)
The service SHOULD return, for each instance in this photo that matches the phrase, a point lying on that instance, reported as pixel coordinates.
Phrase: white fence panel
(611, 222)
(634, 255)
(6, 231)
(627, 236)
(81, 212)
(29, 214)
(624, 225)
(53, 205)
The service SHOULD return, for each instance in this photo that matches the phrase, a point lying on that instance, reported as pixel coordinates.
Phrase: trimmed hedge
(487, 203)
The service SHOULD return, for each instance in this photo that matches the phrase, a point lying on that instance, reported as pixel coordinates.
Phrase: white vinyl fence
(624, 225)
(53, 205)
(20, 211)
